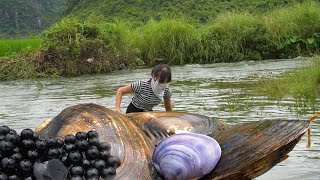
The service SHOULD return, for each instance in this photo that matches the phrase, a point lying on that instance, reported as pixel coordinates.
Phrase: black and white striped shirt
(144, 97)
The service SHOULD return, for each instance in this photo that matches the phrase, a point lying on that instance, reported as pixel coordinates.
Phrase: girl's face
(162, 85)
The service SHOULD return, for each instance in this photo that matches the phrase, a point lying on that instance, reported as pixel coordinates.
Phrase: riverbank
(72, 48)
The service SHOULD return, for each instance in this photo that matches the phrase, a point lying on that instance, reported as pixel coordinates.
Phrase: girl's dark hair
(163, 71)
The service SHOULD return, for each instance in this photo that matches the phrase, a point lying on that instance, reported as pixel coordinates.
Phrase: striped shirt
(144, 97)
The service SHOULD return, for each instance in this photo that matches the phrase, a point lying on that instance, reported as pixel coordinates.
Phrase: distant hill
(143, 10)
(26, 17)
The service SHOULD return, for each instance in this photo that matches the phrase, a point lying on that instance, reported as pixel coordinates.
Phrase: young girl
(148, 93)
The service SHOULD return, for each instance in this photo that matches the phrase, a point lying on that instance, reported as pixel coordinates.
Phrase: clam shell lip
(186, 156)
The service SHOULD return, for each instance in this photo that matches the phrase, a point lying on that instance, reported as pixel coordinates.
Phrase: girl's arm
(167, 104)
(120, 92)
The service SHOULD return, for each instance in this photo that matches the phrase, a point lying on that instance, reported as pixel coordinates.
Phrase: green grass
(15, 46)
(299, 84)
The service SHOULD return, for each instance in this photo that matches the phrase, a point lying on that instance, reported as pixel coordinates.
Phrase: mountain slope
(24, 17)
(143, 10)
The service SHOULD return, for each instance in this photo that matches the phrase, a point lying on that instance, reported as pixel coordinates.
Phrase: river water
(213, 90)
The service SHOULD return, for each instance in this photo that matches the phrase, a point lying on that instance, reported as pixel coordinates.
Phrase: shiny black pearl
(65, 161)
(14, 177)
(35, 136)
(92, 134)
(16, 156)
(85, 163)
(113, 161)
(74, 157)
(53, 153)
(81, 136)
(107, 173)
(27, 144)
(76, 177)
(6, 146)
(59, 143)
(12, 131)
(104, 154)
(94, 142)
(8, 164)
(92, 172)
(99, 164)
(26, 134)
(82, 145)
(3, 176)
(25, 165)
(4, 130)
(69, 139)
(14, 138)
(51, 142)
(92, 153)
(76, 170)
(104, 146)
(69, 147)
(41, 145)
(33, 155)
(2, 137)
(16, 150)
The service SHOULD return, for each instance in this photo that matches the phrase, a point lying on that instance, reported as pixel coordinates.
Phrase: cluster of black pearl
(83, 154)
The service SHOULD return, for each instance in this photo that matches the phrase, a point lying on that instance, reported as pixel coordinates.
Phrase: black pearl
(104, 154)
(92, 153)
(41, 145)
(82, 145)
(99, 164)
(81, 136)
(92, 134)
(6, 146)
(76, 177)
(33, 155)
(75, 157)
(107, 173)
(69, 139)
(51, 142)
(16, 156)
(25, 165)
(69, 147)
(53, 153)
(16, 150)
(3, 176)
(85, 163)
(59, 143)
(113, 161)
(12, 131)
(26, 134)
(13, 138)
(28, 144)
(4, 130)
(76, 170)
(8, 164)
(14, 177)
(94, 142)
(104, 146)
(35, 136)
(92, 172)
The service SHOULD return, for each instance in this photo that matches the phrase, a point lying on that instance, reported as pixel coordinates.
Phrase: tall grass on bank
(176, 41)
(11, 46)
(295, 30)
(302, 84)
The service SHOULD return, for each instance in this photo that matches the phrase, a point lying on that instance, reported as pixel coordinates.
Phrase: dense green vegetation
(11, 46)
(75, 47)
(142, 11)
(28, 17)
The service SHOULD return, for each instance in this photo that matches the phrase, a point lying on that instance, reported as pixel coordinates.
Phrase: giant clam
(248, 150)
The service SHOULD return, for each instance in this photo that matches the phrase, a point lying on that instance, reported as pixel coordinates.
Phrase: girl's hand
(117, 110)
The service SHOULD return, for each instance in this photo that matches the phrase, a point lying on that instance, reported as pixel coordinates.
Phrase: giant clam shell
(248, 150)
